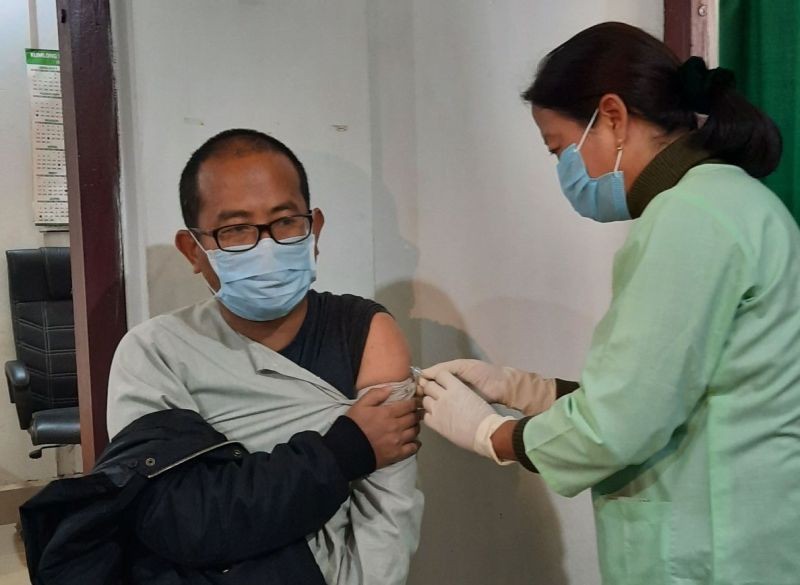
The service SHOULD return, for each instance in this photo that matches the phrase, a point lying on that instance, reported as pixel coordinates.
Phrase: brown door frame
(92, 153)
(686, 27)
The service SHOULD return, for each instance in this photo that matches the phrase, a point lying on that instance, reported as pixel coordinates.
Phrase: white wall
(23, 24)
(441, 202)
(295, 70)
(479, 254)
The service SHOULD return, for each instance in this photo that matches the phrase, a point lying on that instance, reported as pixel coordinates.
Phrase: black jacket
(171, 501)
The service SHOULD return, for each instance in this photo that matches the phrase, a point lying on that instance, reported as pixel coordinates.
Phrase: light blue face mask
(266, 282)
(601, 199)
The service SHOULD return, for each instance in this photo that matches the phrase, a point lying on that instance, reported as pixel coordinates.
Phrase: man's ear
(616, 112)
(187, 246)
(316, 227)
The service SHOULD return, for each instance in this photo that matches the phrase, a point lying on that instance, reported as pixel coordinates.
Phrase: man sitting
(261, 361)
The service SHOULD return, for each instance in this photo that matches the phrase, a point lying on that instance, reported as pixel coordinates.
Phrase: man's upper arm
(386, 355)
(387, 507)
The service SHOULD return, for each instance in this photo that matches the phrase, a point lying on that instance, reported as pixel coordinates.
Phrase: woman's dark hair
(621, 59)
(236, 141)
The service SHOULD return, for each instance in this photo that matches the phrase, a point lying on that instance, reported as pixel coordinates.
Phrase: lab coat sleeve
(677, 284)
(142, 379)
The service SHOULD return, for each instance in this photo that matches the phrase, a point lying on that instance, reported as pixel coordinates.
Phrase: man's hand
(391, 429)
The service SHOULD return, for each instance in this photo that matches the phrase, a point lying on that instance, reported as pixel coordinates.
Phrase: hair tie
(698, 83)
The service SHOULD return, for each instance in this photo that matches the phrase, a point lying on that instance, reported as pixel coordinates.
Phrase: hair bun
(698, 83)
(721, 78)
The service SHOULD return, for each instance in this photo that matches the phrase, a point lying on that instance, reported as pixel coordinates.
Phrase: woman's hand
(460, 415)
(523, 391)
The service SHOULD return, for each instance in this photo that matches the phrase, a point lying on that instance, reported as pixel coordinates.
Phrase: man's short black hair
(237, 141)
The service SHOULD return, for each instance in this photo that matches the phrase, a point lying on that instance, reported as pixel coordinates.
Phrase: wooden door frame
(688, 28)
(95, 231)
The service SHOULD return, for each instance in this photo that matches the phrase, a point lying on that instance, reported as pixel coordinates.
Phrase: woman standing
(686, 420)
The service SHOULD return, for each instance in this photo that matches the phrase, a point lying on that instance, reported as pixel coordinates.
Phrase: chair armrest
(57, 425)
(17, 377)
(18, 381)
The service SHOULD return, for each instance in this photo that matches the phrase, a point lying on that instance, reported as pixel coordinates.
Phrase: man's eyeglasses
(241, 237)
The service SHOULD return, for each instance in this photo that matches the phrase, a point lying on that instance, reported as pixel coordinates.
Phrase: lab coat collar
(664, 171)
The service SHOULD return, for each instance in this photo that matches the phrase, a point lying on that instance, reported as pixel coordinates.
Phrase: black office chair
(42, 381)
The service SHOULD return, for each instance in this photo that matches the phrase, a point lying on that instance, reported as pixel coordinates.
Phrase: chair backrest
(40, 287)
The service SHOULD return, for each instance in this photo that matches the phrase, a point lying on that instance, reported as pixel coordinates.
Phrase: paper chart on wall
(47, 134)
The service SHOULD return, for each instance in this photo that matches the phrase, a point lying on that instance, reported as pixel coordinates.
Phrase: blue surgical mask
(266, 282)
(601, 199)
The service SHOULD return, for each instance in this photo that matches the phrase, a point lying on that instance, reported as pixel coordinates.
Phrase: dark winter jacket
(171, 502)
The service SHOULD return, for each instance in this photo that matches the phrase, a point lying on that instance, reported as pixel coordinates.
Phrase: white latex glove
(524, 391)
(460, 416)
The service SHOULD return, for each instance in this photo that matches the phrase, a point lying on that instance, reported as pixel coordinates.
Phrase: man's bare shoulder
(386, 354)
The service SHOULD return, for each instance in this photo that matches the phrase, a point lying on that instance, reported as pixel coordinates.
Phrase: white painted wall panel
(480, 255)
(191, 68)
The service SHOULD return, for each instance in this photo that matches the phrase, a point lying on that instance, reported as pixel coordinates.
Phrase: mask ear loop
(589, 127)
(199, 245)
(619, 158)
(196, 241)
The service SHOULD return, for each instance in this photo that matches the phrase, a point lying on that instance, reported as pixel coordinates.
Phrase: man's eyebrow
(243, 214)
(288, 206)
(232, 213)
